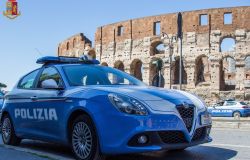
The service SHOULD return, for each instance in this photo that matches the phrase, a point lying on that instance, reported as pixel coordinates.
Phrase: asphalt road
(228, 144)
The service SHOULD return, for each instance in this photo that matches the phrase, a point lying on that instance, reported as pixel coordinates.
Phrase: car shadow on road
(193, 153)
(45, 147)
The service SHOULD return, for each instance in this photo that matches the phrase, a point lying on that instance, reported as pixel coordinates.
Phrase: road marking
(230, 145)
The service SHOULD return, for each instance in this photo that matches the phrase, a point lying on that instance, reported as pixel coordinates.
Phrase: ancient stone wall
(74, 46)
(209, 70)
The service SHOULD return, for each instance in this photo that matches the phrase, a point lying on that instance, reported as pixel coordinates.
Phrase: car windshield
(85, 75)
(243, 103)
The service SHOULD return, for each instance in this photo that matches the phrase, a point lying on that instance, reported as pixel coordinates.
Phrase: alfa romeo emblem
(185, 105)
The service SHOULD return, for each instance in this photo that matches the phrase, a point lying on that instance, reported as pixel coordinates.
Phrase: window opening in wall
(120, 30)
(228, 19)
(157, 28)
(203, 20)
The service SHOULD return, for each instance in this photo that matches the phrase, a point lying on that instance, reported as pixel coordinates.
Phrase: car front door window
(50, 74)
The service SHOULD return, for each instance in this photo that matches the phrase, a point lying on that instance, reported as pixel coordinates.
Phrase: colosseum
(216, 50)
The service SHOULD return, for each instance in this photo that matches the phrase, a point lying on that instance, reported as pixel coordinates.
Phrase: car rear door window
(28, 81)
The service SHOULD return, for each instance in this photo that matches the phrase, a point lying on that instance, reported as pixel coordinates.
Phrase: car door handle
(34, 98)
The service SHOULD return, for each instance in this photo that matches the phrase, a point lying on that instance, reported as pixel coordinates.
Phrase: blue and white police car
(1, 103)
(1, 99)
(98, 111)
(230, 108)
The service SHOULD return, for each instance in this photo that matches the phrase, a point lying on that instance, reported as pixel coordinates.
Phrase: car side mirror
(50, 84)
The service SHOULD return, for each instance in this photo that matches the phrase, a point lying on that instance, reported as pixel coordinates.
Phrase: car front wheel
(236, 115)
(8, 133)
(84, 140)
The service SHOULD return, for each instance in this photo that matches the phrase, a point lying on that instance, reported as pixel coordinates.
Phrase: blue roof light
(65, 60)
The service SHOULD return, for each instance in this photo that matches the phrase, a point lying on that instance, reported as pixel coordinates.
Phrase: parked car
(1, 99)
(99, 110)
(1, 104)
(230, 108)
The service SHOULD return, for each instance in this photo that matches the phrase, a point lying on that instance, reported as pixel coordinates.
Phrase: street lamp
(179, 35)
(170, 48)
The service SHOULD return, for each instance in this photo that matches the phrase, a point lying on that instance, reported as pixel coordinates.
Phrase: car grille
(187, 114)
(199, 134)
(172, 137)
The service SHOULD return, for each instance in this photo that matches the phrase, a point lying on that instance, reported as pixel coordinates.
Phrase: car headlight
(128, 105)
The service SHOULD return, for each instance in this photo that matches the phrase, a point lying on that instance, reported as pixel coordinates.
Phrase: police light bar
(66, 60)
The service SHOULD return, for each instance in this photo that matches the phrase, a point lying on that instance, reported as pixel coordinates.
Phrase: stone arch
(247, 62)
(176, 72)
(228, 73)
(136, 69)
(119, 65)
(153, 71)
(227, 44)
(247, 67)
(67, 46)
(104, 64)
(202, 69)
(74, 42)
(157, 47)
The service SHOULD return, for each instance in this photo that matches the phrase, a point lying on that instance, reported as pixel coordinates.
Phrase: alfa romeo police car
(100, 111)
(1, 103)
(230, 108)
(1, 99)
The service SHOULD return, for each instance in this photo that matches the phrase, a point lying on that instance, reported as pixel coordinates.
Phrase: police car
(98, 110)
(1, 99)
(1, 104)
(230, 108)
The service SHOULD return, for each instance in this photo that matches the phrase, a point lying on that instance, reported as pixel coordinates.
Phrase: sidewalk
(230, 122)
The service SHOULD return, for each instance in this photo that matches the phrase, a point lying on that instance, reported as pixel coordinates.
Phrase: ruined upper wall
(74, 45)
(144, 27)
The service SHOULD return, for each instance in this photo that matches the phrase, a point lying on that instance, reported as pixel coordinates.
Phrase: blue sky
(44, 23)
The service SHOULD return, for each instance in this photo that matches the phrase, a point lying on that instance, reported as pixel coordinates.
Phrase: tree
(2, 85)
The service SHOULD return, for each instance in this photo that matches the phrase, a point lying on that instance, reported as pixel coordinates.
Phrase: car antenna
(40, 54)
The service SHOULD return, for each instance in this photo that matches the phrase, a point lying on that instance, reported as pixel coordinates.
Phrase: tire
(8, 133)
(84, 140)
(237, 114)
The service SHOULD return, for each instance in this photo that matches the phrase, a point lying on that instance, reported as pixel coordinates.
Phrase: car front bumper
(119, 133)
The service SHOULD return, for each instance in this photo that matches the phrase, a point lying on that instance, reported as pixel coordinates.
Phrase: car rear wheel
(84, 140)
(236, 114)
(8, 133)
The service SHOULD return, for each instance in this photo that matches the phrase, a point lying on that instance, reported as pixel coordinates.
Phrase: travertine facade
(208, 69)
(74, 46)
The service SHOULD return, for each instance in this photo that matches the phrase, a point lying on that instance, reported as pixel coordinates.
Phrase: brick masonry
(208, 70)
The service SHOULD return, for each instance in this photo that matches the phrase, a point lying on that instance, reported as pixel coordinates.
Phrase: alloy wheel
(82, 140)
(6, 129)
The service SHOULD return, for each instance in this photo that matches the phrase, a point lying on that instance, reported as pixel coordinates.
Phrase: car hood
(155, 98)
(150, 93)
